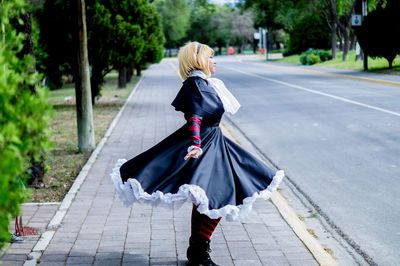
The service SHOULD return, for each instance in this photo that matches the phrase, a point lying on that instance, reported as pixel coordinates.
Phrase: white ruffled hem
(132, 191)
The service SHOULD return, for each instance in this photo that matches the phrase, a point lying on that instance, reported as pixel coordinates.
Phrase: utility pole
(84, 112)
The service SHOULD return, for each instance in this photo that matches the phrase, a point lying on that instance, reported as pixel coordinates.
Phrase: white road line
(318, 92)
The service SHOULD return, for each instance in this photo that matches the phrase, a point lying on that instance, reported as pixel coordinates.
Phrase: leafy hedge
(315, 56)
(24, 115)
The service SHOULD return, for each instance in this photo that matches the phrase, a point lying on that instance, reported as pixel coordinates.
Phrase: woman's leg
(199, 243)
(202, 225)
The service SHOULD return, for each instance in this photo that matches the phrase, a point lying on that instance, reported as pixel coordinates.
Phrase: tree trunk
(122, 78)
(340, 35)
(333, 33)
(346, 44)
(242, 46)
(390, 60)
(360, 55)
(129, 75)
(353, 41)
(344, 28)
(95, 82)
(365, 61)
(138, 70)
(83, 93)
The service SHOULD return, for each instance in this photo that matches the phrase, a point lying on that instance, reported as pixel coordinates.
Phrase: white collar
(229, 101)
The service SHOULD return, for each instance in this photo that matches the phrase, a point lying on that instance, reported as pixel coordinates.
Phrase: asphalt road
(336, 138)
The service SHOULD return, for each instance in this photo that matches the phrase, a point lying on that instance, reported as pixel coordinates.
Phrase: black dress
(224, 181)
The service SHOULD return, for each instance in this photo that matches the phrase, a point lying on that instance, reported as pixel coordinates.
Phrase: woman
(197, 161)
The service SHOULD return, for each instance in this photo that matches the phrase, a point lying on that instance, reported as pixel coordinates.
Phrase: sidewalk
(98, 230)
(35, 216)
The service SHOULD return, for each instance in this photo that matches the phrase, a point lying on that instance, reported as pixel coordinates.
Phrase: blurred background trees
(294, 26)
(137, 32)
(122, 35)
(174, 24)
(128, 35)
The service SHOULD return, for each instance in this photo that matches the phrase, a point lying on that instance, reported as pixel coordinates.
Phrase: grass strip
(64, 161)
(375, 65)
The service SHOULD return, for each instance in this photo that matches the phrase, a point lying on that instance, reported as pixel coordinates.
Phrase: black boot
(198, 252)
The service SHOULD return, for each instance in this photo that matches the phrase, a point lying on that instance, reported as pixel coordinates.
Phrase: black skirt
(224, 181)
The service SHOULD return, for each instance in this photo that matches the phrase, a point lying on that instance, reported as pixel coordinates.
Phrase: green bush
(314, 56)
(24, 115)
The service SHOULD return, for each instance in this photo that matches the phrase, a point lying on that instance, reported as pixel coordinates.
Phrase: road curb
(55, 222)
(322, 257)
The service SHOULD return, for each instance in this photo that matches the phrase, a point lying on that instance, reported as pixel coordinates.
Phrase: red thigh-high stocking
(202, 225)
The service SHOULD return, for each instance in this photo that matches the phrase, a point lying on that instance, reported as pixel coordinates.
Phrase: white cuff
(194, 147)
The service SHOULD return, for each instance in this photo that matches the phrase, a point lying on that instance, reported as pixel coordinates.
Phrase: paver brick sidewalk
(35, 216)
(99, 230)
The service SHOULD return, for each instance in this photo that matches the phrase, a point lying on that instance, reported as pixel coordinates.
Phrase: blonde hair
(190, 59)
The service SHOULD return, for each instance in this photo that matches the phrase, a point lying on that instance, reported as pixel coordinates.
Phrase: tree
(340, 12)
(55, 41)
(276, 15)
(175, 24)
(222, 22)
(83, 97)
(202, 28)
(137, 36)
(24, 114)
(242, 28)
(99, 28)
(265, 12)
(115, 39)
(378, 36)
(153, 38)
(309, 32)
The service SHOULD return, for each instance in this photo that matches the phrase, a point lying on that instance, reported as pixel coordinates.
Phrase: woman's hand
(195, 153)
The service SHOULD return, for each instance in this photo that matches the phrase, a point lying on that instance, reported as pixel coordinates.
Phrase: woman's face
(211, 64)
